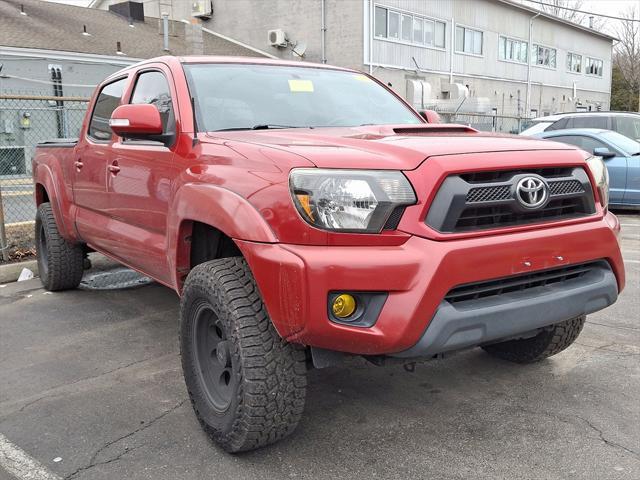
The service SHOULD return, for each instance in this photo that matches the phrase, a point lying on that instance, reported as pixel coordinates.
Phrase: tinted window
(585, 143)
(228, 96)
(152, 87)
(559, 125)
(586, 121)
(108, 99)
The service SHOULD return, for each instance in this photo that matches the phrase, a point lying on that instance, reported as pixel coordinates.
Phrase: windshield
(628, 146)
(629, 126)
(230, 96)
(535, 127)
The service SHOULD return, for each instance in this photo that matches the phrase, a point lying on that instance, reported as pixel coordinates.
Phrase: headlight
(601, 176)
(349, 200)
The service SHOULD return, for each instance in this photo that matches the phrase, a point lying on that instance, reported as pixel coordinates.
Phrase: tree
(566, 9)
(626, 62)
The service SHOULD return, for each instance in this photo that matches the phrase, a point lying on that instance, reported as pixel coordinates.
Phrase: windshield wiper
(265, 126)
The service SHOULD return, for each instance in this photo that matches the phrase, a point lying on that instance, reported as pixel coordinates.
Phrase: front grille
(503, 216)
(489, 194)
(518, 283)
(485, 200)
(565, 187)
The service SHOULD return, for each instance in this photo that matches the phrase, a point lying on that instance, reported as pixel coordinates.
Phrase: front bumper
(295, 281)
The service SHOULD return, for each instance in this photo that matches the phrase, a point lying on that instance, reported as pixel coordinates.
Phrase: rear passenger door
(140, 178)
(90, 166)
(616, 166)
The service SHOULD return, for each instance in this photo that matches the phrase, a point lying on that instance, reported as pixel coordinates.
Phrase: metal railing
(487, 122)
(25, 121)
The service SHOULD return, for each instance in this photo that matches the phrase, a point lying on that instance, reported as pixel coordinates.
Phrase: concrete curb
(11, 271)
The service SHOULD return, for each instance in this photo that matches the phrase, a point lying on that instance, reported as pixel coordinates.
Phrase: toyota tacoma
(304, 213)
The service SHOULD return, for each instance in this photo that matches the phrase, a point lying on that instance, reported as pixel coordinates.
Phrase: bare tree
(567, 10)
(627, 51)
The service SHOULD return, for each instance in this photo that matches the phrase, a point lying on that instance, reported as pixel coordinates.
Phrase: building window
(407, 28)
(468, 40)
(418, 30)
(393, 25)
(544, 56)
(593, 67)
(512, 50)
(381, 22)
(574, 62)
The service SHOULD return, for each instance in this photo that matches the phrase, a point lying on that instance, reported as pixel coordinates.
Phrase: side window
(585, 143)
(559, 125)
(152, 87)
(586, 121)
(108, 99)
(628, 126)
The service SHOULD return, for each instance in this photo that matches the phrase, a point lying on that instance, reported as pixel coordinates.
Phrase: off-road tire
(545, 344)
(60, 263)
(268, 374)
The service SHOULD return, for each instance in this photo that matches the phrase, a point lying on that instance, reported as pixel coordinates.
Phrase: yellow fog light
(344, 305)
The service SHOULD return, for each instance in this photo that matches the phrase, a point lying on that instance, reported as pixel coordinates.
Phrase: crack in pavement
(605, 348)
(92, 461)
(563, 419)
(52, 392)
(104, 462)
(613, 326)
(606, 440)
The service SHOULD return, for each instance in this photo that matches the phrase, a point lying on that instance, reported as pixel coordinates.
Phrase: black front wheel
(247, 385)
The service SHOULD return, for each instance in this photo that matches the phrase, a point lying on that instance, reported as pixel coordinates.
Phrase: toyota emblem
(532, 192)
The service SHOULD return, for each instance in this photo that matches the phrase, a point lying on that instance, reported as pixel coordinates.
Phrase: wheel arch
(204, 223)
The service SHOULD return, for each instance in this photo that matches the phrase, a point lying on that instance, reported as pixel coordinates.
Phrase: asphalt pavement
(91, 388)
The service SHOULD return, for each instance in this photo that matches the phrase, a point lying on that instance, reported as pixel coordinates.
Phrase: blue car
(621, 155)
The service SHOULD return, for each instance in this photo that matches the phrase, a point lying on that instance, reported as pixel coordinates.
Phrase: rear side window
(152, 87)
(108, 99)
(600, 121)
(559, 125)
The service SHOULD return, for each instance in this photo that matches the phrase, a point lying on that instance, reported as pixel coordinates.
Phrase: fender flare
(45, 175)
(218, 207)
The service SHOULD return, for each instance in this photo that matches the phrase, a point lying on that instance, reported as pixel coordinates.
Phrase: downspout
(371, 12)
(527, 106)
(451, 49)
(165, 31)
(323, 31)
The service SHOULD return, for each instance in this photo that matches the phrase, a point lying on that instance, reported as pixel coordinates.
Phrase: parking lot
(91, 388)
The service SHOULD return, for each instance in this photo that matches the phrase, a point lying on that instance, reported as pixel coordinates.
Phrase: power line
(583, 11)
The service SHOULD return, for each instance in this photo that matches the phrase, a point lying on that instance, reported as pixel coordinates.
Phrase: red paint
(136, 201)
(136, 119)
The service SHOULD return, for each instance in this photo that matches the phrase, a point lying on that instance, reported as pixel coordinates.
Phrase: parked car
(621, 156)
(305, 213)
(625, 123)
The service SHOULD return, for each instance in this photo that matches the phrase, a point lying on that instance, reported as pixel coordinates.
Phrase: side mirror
(136, 121)
(431, 116)
(603, 152)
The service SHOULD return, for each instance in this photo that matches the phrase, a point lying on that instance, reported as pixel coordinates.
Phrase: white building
(476, 55)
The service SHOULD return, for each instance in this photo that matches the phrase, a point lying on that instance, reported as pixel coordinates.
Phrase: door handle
(114, 168)
(78, 164)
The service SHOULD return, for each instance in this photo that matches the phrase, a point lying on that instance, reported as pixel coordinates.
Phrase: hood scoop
(434, 129)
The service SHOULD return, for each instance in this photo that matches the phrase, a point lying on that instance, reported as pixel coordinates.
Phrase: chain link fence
(25, 121)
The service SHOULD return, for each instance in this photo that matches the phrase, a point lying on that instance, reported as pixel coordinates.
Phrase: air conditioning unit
(277, 38)
(202, 9)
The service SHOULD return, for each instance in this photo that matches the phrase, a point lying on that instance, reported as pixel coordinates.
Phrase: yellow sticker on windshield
(301, 85)
(362, 78)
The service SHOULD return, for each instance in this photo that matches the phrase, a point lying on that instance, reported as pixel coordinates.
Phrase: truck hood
(399, 147)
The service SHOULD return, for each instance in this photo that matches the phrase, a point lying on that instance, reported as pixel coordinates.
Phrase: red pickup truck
(305, 212)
